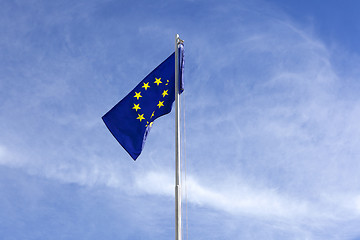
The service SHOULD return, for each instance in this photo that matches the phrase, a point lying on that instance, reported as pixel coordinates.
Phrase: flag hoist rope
(183, 164)
(177, 144)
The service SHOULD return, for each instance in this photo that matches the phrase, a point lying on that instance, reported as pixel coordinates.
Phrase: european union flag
(131, 119)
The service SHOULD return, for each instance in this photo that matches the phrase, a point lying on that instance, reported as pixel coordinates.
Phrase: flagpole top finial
(178, 40)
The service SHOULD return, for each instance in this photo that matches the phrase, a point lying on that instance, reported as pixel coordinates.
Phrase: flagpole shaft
(177, 145)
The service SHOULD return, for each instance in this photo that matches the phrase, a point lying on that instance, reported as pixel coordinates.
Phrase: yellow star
(157, 81)
(146, 86)
(167, 82)
(160, 104)
(152, 114)
(140, 117)
(136, 107)
(165, 93)
(138, 95)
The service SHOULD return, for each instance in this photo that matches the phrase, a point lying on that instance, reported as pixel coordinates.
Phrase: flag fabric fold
(131, 119)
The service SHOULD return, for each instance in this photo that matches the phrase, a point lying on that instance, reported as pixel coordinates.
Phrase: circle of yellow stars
(160, 104)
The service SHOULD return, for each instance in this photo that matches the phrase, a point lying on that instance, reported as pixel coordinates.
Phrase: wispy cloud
(3, 152)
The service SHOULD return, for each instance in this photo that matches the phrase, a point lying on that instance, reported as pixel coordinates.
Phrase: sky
(271, 112)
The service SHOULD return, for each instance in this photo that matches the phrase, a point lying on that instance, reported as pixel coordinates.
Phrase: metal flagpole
(177, 145)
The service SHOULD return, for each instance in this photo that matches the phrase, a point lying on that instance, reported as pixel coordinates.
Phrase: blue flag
(131, 119)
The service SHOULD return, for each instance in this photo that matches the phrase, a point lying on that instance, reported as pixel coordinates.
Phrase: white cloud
(3, 153)
(154, 182)
(9, 158)
(357, 204)
(246, 200)
(242, 199)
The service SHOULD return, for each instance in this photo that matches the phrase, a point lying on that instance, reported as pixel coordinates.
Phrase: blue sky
(271, 105)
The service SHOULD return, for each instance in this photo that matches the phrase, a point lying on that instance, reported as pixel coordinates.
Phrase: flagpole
(177, 145)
